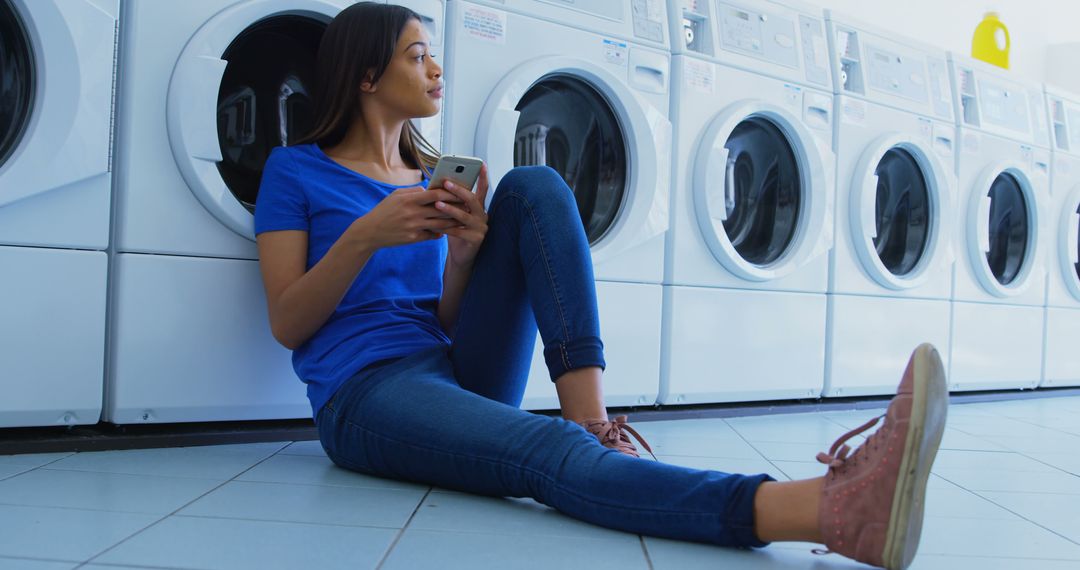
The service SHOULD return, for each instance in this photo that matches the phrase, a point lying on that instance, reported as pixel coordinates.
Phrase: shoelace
(612, 431)
(837, 457)
(838, 453)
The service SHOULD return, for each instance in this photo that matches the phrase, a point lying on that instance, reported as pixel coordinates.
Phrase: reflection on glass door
(568, 125)
(264, 99)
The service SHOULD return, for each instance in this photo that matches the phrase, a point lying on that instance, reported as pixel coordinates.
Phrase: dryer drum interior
(17, 80)
(902, 212)
(565, 123)
(264, 100)
(762, 191)
(1009, 228)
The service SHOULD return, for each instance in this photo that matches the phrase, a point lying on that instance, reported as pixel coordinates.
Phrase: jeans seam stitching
(560, 487)
(407, 368)
(551, 278)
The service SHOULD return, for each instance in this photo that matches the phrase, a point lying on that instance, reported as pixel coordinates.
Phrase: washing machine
(56, 107)
(747, 263)
(206, 89)
(890, 270)
(1003, 172)
(1062, 361)
(582, 87)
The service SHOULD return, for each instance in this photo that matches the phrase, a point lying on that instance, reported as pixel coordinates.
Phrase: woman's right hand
(407, 215)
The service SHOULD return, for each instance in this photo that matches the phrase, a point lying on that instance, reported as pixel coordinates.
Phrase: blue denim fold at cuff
(740, 525)
(562, 357)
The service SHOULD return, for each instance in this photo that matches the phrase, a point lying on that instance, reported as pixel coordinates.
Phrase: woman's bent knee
(537, 185)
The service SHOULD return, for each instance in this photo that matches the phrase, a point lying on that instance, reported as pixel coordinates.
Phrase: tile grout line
(401, 533)
(645, 551)
(747, 442)
(1018, 452)
(185, 505)
(1032, 422)
(1003, 507)
(35, 468)
(641, 538)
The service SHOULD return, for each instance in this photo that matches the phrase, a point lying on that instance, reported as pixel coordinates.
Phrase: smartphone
(461, 170)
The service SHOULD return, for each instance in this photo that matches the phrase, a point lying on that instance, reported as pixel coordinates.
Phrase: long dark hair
(361, 38)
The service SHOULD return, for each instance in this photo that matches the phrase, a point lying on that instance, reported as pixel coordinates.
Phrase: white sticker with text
(485, 24)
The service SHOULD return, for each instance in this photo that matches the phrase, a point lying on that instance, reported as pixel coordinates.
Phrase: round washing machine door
(1003, 229)
(240, 88)
(586, 124)
(1069, 243)
(900, 199)
(760, 192)
(56, 79)
(17, 80)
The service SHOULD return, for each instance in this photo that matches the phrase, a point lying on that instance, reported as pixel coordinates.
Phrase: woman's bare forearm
(307, 304)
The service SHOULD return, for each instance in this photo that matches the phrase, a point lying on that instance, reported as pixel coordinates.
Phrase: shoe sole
(929, 408)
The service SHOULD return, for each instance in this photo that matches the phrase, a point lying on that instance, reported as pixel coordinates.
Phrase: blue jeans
(449, 416)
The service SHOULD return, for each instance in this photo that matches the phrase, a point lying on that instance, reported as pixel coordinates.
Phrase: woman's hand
(407, 215)
(463, 241)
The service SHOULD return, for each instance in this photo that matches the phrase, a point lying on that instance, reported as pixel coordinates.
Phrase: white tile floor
(1005, 494)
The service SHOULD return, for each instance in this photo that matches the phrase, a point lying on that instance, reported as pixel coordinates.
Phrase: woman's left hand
(463, 242)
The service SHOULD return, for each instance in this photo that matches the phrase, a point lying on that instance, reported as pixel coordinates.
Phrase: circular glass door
(762, 191)
(902, 212)
(1076, 266)
(1009, 228)
(568, 125)
(16, 80)
(264, 100)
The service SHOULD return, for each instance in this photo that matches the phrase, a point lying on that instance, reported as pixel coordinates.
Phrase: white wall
(1033, 25)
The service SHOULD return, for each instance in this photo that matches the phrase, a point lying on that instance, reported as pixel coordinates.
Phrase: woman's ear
(367, 86)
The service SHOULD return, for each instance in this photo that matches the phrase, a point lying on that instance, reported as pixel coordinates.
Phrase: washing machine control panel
(895, 73)
(1040, 125)
(891, 71)
(815, 50)
(993, 104)
(940, 87)
(609, 10)
(794, 41)
(766, 36)
(648, 18)
(1065, 121)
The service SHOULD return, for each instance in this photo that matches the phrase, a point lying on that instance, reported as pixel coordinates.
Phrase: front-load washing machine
(57, 66)
(207, 88)
(1003, 188)
(890, 272)
(583, 88)
(747, 257)
(1062, 359)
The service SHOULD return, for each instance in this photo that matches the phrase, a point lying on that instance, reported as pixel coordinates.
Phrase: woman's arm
(299, 302)
(455, 279)
(463, 244)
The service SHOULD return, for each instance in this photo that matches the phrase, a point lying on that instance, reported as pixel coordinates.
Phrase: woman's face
(412, 83)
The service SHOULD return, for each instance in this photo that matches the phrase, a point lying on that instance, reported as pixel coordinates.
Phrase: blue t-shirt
(390, 309)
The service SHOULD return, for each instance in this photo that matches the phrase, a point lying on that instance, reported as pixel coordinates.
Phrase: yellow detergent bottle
(985, 44)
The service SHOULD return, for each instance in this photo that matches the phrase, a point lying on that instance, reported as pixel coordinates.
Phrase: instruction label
(700, 75)
(615, 52)
(484, 24)
(853, 111)
(793, 96)
(926, 128)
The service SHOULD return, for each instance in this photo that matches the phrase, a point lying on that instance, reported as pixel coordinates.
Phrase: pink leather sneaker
(612, 434)
(872, 505)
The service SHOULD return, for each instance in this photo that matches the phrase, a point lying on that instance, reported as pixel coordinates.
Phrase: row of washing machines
(781, 202)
